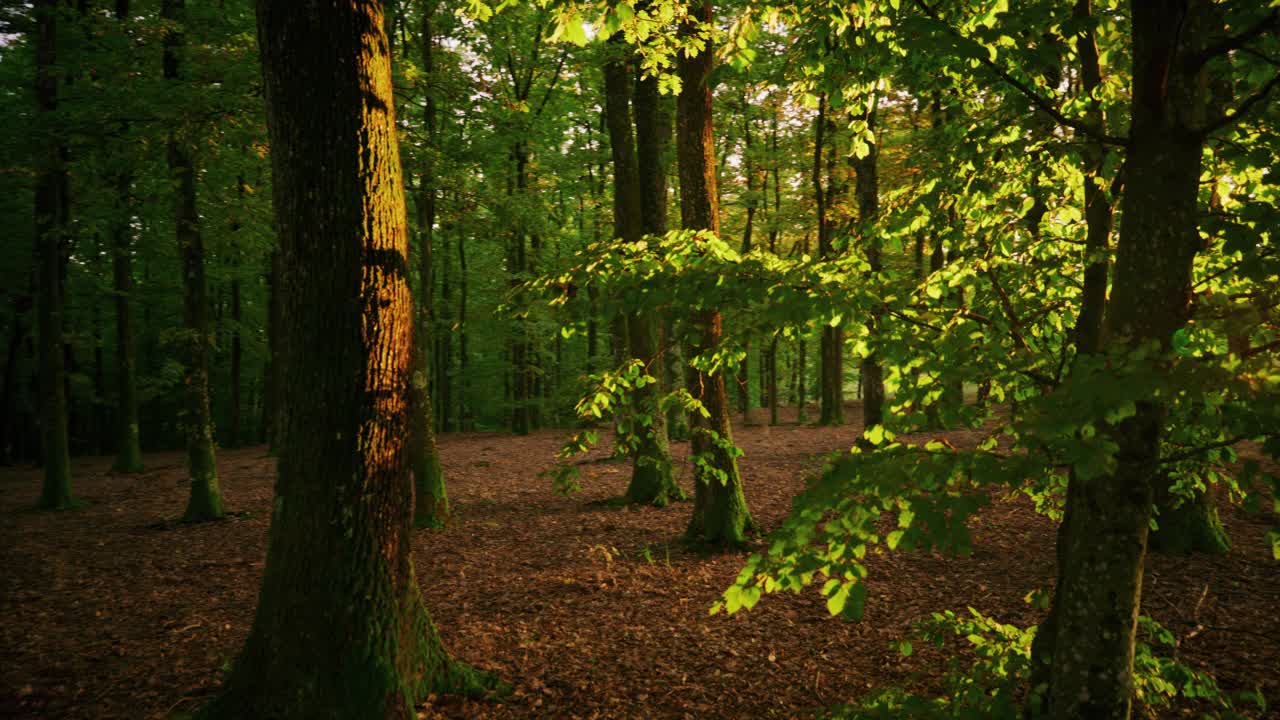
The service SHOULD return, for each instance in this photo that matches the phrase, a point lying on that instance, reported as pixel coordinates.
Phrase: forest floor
(117, 611)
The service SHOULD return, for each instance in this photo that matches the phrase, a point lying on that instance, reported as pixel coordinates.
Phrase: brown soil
(116, 611)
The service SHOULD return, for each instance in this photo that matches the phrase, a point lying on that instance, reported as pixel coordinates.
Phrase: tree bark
(831, 351)
(341, 629)
(50, 227)
(205, 501)
(867, 187)
(1104, 543)
(431, 499)
(720, 514)
(651, 482)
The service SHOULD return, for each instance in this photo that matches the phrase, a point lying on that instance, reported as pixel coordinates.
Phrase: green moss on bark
(431, 499)
(1186, 526)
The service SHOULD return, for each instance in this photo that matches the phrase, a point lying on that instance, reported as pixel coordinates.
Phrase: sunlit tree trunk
(1105, 539)
(720, 514)
(205, 502)
(341, 630)
(50, 227)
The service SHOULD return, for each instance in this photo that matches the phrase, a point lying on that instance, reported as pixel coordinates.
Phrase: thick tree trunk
(205, 502)
(50, 225)
(341, 630)
(720, 514)
(1187, 525)
(1104, 542)
(431, 500)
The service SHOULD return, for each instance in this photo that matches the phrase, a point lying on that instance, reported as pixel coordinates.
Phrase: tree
(431, 500)
(205, 502)
(651, 478)
(867, 188)
(831, 354)
(720, 513)
(51, 218)
(341, 630)
(1105, 539)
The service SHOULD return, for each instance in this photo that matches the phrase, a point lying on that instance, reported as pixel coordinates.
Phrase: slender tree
(431, 500)
(50, 227)
(205, 502)
(720, 513)
(651, 478)
(341, 629)
(867, 188)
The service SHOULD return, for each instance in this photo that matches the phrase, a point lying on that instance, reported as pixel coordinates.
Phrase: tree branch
(1230, 118)
(1236, 42)
(1036, 98)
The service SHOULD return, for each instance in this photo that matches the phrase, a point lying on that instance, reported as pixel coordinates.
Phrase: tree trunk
(431, 500)
(464, 386)
(517, 265)
(205, 502)
(831, 353)
(748, 229)
(50, 226)
(720, 514)
(651, 478)
(867, 186)
(1104, 540)
(341, 629)
(775, 218)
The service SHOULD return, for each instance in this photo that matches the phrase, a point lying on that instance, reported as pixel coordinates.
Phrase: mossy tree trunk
(1104, 540)
(341, 630)
(50, 227)
(720, 514)
(651, 482)
(205, 501)
(431, 501)
(1186, 525)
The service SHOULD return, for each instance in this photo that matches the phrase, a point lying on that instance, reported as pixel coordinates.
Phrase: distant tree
(431, 499)
(51, 218)
(205, 502)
